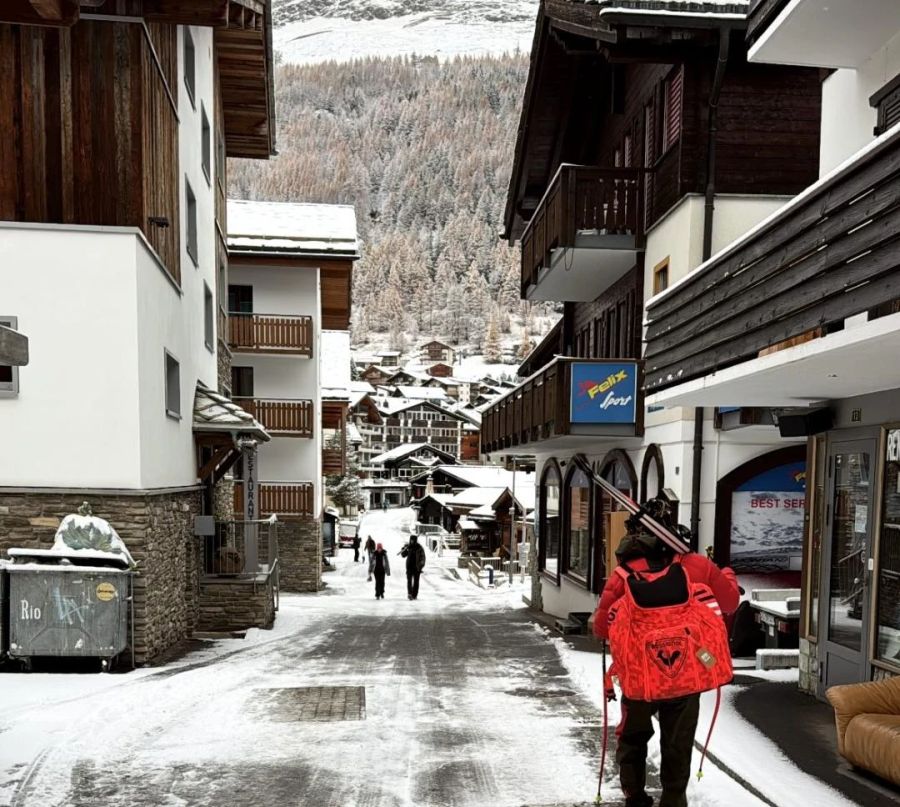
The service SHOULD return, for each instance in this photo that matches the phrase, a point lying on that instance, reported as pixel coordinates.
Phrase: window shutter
(674, 98)
(889, 111)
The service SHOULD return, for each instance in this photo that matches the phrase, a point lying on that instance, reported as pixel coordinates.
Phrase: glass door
(849, 525)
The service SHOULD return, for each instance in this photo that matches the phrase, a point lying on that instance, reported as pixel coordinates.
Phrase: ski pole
(603, 741)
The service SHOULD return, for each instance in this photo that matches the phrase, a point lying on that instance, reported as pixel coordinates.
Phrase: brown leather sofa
(867, 717)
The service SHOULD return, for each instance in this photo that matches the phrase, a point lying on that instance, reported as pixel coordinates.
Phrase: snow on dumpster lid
(76, 557)
(84, 532)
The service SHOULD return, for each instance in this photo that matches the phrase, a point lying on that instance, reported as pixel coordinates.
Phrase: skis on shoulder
(653, 526)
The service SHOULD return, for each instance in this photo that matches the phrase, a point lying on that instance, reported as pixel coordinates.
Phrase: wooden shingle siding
(832, 256)
(90, 131)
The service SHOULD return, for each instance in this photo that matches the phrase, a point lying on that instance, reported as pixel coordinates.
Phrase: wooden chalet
(801, 315)
(616, 135)
(114, 161)
(440, 370)
(435, 351)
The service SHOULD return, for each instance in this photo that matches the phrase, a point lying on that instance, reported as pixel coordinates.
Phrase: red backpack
(667, 635)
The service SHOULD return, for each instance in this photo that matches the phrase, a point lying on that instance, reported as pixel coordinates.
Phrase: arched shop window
(551, 483)
(578, 524)
(760, 507)
(618, 469)
(653, 478)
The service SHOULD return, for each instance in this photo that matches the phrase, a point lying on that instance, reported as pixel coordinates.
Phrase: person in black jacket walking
(356, 548)
(415, 562)
(380, 566)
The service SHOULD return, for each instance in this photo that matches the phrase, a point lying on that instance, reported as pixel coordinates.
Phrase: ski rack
(664, 534)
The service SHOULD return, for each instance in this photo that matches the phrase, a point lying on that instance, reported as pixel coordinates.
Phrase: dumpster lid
(71, 557)
(67, 568)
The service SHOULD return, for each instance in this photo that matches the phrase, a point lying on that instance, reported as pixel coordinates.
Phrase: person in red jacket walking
(644, 552)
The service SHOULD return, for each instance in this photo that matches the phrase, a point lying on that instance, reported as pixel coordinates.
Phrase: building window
(674, 92)
(9, 376)
(549, 520)
(652, 473)
(887, 104)
(173, 386)
(222, 286)
(205, 144)
(661, 276)
(191, 221)
(190, 66)
(888, 605)
(578, 524)
(209, 322)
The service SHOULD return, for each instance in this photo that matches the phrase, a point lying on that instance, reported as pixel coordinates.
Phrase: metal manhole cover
(310, 704)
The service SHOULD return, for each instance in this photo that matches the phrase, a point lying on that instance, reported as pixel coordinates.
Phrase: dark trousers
(412, 584)
(356, 554)
(677, 726)
(379, 582)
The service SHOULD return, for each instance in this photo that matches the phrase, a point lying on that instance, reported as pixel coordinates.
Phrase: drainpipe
(708, 211)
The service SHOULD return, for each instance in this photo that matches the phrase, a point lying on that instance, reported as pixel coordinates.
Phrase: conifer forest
(422, 148)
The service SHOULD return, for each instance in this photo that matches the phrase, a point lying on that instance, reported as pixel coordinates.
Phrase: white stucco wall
(847, 118)
(285, 290)
(75, 420)
(679, 236)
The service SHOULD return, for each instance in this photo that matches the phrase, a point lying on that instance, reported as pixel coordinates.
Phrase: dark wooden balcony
(761, 15)
(284, 499)
(281, 416)
(583, 235)
(831, 254)
(539, 412)
(270, 333)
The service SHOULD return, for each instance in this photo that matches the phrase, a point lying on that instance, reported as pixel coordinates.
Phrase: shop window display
(578, 547)
(888, 604)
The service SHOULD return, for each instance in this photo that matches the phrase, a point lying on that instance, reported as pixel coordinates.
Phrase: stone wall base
(230, 604)
(157, 528)
(300, 554)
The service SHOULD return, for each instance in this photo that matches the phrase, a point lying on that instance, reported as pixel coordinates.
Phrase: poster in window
(767, 520)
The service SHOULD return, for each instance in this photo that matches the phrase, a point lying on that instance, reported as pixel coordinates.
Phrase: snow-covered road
(457, 698)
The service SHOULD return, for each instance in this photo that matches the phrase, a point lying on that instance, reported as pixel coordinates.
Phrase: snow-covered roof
(353, 434)
(404, 450)
(486, 512)
(468, 524)
(216, 413)
(422, 393)
(292, 227)
(475, 497)
(384, 354)
(487, 476)
(693, 7)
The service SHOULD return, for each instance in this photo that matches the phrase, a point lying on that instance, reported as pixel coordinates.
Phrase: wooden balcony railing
(761, 15)
(831, 254)
(270, 333)
(281, 416)
(540, 409)
(602, 201)
(284, 499)
(333, 462)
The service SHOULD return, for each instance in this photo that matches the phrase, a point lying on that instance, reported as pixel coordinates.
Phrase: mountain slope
(422, 148)
(309, 31)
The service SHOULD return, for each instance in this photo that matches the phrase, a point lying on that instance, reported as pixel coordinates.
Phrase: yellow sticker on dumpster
(106, 592)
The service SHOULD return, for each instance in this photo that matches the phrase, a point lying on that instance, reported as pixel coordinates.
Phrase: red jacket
(700, 570)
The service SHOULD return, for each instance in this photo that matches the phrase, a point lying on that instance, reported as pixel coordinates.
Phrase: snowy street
(457, 698)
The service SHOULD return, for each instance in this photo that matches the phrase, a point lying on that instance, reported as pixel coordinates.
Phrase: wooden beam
(13, 347)
(58, 13)
(188, 12)
(213, 462)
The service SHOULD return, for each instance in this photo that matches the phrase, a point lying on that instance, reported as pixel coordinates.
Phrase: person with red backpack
(662, 613)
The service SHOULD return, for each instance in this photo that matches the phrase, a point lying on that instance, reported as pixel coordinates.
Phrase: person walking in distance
(415, 562)
(379, 566)
(356, 548)
(370, 549)
(651, 579)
